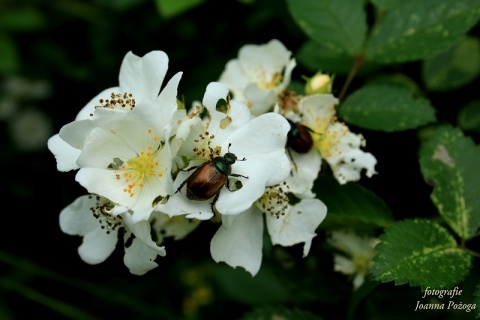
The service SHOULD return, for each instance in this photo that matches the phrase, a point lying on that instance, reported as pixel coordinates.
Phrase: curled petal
(65, 155)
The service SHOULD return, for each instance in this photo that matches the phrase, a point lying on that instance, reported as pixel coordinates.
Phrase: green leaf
(240, 286)
(269, 313)
(397, 79)
(421, 29)
(120, 5)
(386, 108)
(338, 25)
(469, 117)
(9, 61)
(450, 162)
(22, 19)
(315, 56)
(350, 206)
(169, 8)
(454, 68)
(386, 4)
(420, 253)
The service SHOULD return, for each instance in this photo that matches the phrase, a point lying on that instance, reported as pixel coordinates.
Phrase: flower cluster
(152, 167)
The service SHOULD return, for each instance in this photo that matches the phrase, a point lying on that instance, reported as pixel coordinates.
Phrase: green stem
(358, 61)
(472, 253)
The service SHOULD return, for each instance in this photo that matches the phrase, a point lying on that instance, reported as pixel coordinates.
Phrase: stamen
(118, 101)
(274, 200)
(139, 170)
(102, 211)
(204, 150)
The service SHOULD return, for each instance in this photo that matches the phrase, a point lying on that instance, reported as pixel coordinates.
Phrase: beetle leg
(227, 184)
(181, 186)
(293, 161)
(214, 201)
(238, 175)
(190, 169)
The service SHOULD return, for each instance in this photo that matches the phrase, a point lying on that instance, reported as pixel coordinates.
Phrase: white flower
(129, 163)
(122, 146)
(358, 258)
(91, 218)
(259, 75)
(258, 145)
(239, 240)
(140, 80)
(337, 145)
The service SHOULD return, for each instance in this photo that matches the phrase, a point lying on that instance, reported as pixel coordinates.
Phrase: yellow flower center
(139, 170)
(266, 80)
(328, 132)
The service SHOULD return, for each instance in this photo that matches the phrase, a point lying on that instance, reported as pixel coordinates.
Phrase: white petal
(298, 224)
(97, 245)
(358, 280)
(354, 161)
(271, 57)
(103, 182)
(317, 106)
(237, 116)
(259, 100)
(142, 231)
(77, 218)
(260, 170)
(169, 94)
(234, 78)
(65, 155)
(288, 74)
(241, 243)
(74, 133)
(343, 265)
(89, 109)
(179, 204)
(139, 258)
(305, 170)
(214, 92)
(263, 134)
(143, 76)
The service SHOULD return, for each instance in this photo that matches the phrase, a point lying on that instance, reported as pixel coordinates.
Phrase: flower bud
(320, 83)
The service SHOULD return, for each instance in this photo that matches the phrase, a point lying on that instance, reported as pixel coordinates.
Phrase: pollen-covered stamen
(204, 148)
(102, 211)
(274, 200)
(266, 79)
(121, 101)
(323, 121)
(139, 170)
(328, 143)
(288, 101)
(329, 132)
